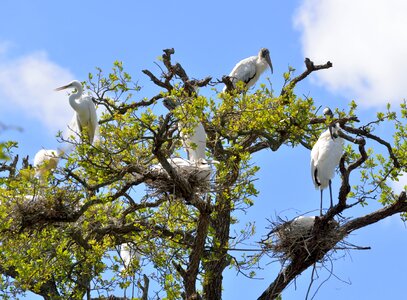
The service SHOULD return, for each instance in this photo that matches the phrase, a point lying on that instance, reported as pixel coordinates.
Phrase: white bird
(85, 110)
(195, 143)
(127, 254)
(200, 168)
(249, 69)
(45, 161)
(302, 225)
(325, 157)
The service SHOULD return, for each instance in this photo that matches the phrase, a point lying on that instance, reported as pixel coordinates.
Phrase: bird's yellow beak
(63, 87)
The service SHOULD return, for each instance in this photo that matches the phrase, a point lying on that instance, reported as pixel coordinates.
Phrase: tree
(60, 238)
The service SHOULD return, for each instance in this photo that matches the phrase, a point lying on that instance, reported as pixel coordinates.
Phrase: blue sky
(44, 44)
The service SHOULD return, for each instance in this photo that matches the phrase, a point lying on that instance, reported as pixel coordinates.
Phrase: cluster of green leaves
(107, 178)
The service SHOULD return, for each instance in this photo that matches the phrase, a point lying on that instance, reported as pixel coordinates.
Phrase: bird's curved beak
(330, 132)
(269, 63)
(333, 134)
(212, 161)
(63, 87)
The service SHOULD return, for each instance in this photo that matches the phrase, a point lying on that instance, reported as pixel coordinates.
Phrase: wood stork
(85, 110)
(45, 161)
(195, 143)
(249, 69)
(302, 225)
(325, 157)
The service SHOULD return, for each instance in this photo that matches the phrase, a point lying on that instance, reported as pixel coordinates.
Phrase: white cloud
(366, 42)
(27, 85)
(398, 186)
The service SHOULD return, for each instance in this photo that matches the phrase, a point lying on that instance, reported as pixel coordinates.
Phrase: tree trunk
(218, 260)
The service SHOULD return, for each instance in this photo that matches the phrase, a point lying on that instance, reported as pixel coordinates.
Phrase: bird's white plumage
(85, 110)
(127, 254)
(195, 143)
(200, 168)
(249, 69)
(33, 198)
(45, 161)
(86, 117)
(302, 224)
(325, 157)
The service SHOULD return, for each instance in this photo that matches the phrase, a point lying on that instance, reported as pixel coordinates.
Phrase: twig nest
(301, 226)
(38, 210)
(197, 173)
(293, 237)
(294, 231)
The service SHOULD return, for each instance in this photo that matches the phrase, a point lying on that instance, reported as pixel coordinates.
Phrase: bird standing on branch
(195, 142)
(249, 69)
(325, 157)
(85, 110)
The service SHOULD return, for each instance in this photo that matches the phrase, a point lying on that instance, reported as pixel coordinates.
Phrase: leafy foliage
(60, 238)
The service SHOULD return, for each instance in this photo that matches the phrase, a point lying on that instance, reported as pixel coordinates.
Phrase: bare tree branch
(310, 68)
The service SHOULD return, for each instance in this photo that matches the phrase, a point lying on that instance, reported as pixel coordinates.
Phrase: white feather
(249, 69)
(127, 254)
(200, 168)
(302, 224)
(195, 143)
(45, 161)
(325, 157)
(85, 111)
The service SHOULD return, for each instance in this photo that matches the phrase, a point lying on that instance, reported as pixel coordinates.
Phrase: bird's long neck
(334, 130)
(72, 99)
(261, 64)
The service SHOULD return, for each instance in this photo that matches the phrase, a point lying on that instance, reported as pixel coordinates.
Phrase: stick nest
(163, 183)
(289, 239)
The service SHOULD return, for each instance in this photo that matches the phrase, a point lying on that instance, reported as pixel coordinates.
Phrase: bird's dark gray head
(328, 112)
(264, 53)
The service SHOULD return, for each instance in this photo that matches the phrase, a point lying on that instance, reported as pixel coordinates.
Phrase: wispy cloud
(398, 186)
(366, 42)
(26, 85)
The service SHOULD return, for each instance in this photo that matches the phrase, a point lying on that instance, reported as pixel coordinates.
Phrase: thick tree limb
(191, 274)
(399, 206)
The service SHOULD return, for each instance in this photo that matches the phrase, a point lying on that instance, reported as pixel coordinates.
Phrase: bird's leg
(330, 193)
(320, 209)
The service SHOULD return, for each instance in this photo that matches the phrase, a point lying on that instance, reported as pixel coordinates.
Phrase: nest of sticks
(39, 210)
(198, 179)
(289, 239)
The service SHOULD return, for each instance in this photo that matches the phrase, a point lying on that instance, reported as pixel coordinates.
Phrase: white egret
(249, 69)
(325, 157)
(195, 143)
(127, 254)
(85, 109)
(45, 161)
(200, 168)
